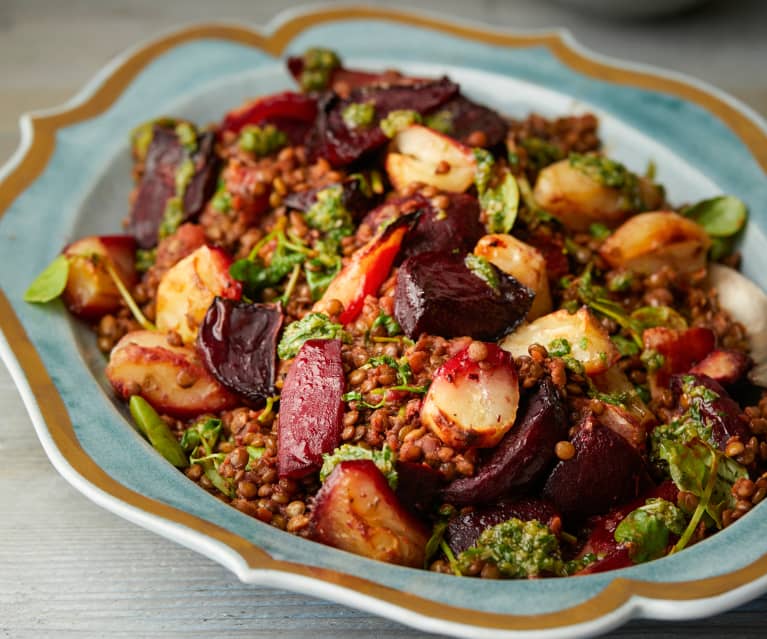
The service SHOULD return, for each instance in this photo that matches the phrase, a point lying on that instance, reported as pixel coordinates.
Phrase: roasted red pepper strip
(368, 269)
(288, 105)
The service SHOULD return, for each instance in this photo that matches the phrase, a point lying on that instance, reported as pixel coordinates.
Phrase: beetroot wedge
(311, 408)
(418, 486)
(164, 158)
(357, 511)
(521, 457)
(341, 144)
(238, 345)
(605, 471)
(456, 228)
(464, 119)
(437, 293)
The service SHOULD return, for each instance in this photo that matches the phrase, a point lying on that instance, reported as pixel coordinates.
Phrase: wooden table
(70, 569)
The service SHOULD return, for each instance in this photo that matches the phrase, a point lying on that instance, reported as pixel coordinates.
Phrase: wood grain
(70, 569)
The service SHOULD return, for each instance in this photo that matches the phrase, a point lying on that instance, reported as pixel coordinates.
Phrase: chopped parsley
(483, 270)
(319, 64)
(399, 120)
(559, 347)
(384, 459)
(261, 141)
(611, 174)
(441, 121)
(358, 115)
(519, 549)
(311, 326)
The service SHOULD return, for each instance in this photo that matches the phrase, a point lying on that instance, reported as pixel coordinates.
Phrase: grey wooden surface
(70, 569)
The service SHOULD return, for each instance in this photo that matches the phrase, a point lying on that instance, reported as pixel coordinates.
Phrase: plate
(70, 177)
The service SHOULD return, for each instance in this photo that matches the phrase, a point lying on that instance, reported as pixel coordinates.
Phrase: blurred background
(50, 48)
(71, 569)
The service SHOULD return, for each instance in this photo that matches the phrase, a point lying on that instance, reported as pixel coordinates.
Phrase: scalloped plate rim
(226, 555)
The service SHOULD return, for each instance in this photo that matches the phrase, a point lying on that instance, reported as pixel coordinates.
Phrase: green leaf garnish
(50, 283)
(646, 530)
(311, 326)
(483, 270)
(722, 216)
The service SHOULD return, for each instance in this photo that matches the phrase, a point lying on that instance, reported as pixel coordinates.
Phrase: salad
(376, 314)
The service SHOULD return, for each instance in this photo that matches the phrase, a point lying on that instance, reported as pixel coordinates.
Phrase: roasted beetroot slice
(418, 486)
(158, 183)
(311, 408)
(288, 106)
(467, 118)
(342, 145)
(354, 198)
(466, 527)
(203, 182)
(605, 471)
(437, 293)
(457, 228)
(296, 131)
(357, 511)
(721, 413)
(237, 342)
(522, 456)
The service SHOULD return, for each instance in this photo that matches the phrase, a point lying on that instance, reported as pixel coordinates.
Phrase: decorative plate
(70, 177)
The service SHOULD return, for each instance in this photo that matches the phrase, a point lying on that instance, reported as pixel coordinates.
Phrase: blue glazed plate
(70, 177)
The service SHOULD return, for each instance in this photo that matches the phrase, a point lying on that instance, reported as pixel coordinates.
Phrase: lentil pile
(378, 315)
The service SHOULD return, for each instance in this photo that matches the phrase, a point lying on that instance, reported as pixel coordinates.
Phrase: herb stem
(291, 285)
(450, 558)
(395, 339)
(570, 539)
(700, 509)
(279, 227)
(267, 409)
(129, 301)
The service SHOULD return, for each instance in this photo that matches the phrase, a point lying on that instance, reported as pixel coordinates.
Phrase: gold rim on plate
(54, 412)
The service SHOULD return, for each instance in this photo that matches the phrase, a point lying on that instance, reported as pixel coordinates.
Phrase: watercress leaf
(646, 530)
(484, 171)
(501, 205)
(689, 465)
(50, 283)
(722, 216)
(721, 247)
(311, 326)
